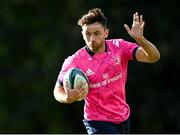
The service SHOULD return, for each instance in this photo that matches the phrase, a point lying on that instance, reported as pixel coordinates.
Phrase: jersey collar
(92, 53)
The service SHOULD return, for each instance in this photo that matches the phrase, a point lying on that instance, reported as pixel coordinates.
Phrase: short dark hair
(94, 15)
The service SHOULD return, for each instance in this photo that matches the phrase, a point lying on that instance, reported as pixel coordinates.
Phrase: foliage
(35, 38)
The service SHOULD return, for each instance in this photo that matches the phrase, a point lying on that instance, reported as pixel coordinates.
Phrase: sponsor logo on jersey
(106, 81)
(89, 72)
(105, 76)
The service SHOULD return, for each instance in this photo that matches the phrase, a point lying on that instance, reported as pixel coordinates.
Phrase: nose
(92, 38)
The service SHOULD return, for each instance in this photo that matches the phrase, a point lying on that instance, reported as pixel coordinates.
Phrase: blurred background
(37, 35)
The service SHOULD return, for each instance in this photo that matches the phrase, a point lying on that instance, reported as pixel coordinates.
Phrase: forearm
(152, 52)
(60, 95)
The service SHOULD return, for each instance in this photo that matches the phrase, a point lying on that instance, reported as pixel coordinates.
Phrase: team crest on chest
(116, 59)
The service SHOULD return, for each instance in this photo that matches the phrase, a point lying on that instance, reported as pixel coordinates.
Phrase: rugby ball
(73, 76)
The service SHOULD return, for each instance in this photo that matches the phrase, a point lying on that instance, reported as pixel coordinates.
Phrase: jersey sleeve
(68, 63)
(128, 49)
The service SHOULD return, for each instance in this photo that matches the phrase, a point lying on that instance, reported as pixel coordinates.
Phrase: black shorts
(102, 127)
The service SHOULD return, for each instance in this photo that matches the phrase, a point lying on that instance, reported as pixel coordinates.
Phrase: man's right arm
(70, 96)
(59, 93)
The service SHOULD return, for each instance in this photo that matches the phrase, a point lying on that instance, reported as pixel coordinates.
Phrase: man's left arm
(147, 52)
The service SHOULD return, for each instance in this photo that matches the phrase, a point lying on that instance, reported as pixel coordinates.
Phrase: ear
(106, 32)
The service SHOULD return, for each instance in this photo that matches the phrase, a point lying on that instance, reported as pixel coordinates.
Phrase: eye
(96, 33)
(88, 34)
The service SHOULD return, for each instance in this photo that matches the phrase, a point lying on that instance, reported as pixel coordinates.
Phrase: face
(94, 36)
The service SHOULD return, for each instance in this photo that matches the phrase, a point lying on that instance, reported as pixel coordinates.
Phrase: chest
(103, 66)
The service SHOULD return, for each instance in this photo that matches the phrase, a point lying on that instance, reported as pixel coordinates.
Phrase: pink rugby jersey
(107, 74)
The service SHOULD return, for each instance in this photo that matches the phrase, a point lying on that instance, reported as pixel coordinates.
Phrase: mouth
(93, 43)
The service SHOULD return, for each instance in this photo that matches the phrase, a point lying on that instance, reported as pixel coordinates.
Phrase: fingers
(142, 25)
(136, 18)
(127, 28)
(76, 94)
(67, 85)
(79, 85)
(141, 19)
(82, 93)
(82, 89)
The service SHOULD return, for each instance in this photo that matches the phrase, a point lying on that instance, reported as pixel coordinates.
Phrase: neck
(101, 49)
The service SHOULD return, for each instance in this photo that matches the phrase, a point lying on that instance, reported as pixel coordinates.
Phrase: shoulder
(76, 56)
(80, 53)
(117, 42)
(73, 60)
(114, 43)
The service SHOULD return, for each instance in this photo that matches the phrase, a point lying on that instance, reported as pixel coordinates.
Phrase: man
(105, 64)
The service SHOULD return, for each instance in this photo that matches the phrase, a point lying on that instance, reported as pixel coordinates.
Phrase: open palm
(137, 28)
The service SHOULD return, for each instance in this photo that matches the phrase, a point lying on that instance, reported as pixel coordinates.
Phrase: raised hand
(137, 28)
